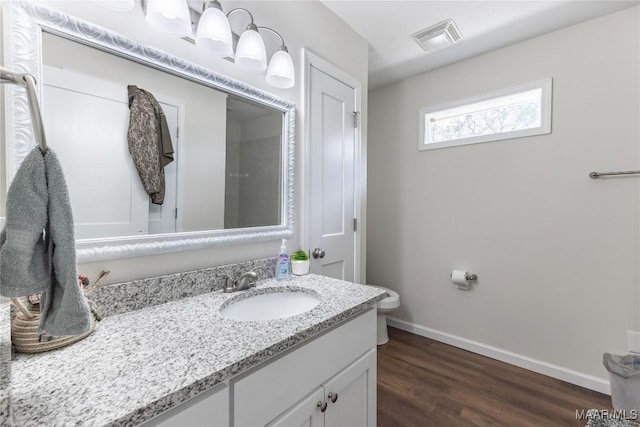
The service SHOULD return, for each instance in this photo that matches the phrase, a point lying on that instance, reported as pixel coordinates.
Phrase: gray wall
(556, 253)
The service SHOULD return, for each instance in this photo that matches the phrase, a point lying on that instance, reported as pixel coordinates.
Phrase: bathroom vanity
(184, 363)
(277, 393)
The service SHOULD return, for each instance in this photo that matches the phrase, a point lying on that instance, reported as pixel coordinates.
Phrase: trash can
(624, 378)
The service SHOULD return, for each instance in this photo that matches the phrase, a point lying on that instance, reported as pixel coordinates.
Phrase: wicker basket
(25, 336)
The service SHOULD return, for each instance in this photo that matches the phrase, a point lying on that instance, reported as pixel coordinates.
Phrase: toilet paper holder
(462, 279)
(467, 276)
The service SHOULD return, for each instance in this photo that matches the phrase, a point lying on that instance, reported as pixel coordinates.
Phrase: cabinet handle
(322, 405)
(333, 396)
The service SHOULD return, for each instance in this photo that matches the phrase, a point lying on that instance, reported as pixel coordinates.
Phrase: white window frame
(545, 111)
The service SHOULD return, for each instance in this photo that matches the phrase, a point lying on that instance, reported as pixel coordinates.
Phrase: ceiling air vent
(438, 36)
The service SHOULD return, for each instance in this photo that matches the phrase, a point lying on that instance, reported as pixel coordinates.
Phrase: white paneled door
(331, 176)
(86, 121)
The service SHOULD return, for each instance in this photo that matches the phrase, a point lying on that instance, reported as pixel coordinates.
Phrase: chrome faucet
(245, 281)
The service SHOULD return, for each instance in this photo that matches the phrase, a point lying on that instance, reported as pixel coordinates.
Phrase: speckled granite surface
(120, 298)
(140, 363)
(5, 364)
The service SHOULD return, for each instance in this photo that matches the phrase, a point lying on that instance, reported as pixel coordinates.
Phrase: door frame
(309, 60)
(181, 105)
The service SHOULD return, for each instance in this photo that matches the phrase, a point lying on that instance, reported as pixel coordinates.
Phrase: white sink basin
(276, 304)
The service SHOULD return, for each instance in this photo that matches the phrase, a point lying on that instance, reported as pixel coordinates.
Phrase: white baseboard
(578, 378)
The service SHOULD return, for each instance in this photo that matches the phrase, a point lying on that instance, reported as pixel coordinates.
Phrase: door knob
(318, 253)
(322, 405)
(333, 397)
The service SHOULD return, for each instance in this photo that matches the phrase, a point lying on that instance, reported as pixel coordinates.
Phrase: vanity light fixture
(250, 54)
(439, 36)
(213, 34)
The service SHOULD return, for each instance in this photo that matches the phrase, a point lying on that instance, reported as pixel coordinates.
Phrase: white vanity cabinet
(293, 389)
(329, 381)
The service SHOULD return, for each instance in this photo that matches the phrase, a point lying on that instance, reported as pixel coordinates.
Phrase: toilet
(385, 306)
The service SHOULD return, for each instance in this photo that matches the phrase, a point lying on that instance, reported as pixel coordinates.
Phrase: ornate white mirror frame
(23, 24)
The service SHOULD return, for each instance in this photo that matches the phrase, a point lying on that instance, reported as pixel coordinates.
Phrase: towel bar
(29, 83)
(596, 175)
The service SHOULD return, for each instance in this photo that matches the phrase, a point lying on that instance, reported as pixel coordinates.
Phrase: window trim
(545, 112)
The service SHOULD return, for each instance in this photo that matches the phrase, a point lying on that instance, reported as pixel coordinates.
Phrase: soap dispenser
(282, 265)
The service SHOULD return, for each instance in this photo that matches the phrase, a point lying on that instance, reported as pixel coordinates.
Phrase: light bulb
(251, 54)
(169, 16)
(281, 73)
(214, 33)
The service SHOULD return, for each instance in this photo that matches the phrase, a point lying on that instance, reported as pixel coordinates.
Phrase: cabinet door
(261, 395)
(208, 409)
(306, 413)
(351, 394)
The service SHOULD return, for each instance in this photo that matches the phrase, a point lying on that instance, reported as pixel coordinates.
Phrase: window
(510, 113)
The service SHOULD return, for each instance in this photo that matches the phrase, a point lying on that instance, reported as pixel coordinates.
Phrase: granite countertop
(138, 364)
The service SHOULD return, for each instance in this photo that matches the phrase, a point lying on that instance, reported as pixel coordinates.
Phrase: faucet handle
(229, 283)
(252, 276)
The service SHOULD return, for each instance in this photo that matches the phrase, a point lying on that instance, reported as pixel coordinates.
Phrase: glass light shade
(281, 73)
(119, 5)
(214, 33)
(251, 54)
(169, 16)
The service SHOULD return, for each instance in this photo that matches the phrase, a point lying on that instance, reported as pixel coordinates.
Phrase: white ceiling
(484, 25)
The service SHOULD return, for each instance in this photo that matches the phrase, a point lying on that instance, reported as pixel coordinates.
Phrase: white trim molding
(600, 385)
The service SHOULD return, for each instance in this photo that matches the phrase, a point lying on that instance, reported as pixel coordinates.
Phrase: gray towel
(24, 263)
(33, 261)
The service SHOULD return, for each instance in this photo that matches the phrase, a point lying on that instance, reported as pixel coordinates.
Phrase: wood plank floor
(422, 382)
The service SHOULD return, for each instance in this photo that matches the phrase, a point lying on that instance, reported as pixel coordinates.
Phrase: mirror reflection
(227, 171)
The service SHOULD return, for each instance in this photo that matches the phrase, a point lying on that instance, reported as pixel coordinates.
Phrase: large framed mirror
(232, 178)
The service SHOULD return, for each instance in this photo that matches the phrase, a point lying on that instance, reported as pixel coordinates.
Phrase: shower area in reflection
(253, 165)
